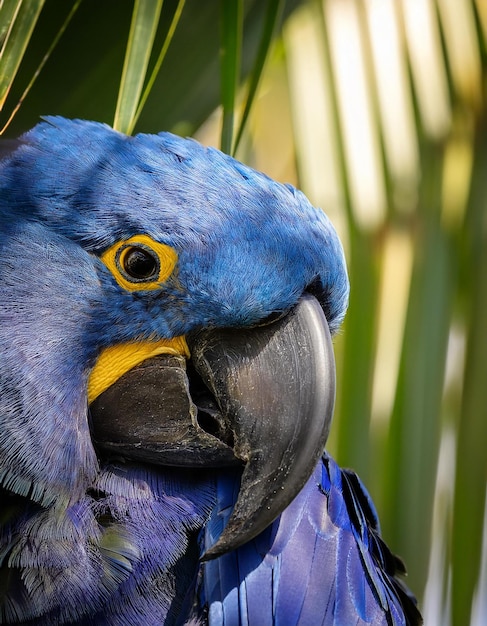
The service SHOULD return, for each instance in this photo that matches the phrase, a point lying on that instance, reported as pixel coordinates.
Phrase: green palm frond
(17, 21)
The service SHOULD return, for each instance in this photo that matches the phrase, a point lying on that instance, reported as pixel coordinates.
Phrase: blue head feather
(247, 245)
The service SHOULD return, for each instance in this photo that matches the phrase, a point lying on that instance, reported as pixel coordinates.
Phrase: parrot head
(161, 303)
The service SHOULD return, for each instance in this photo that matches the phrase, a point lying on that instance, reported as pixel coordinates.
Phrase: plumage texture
(323, 562)
(92, 541)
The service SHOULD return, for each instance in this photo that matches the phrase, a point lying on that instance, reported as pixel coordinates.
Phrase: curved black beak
(273, 391)
(276, 388)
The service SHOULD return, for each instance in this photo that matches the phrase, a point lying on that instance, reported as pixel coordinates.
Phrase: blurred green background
(377, 110)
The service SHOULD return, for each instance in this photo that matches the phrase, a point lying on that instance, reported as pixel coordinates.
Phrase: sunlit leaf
(42, 63)
(160, 59)
(471, 461)
(17, 24)
(230, 59)
(145, 20)
(274, 11)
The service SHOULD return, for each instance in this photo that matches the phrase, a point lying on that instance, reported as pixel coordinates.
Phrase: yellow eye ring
(140, 263)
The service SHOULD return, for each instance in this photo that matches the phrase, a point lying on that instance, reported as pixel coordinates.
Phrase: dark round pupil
(139, 263)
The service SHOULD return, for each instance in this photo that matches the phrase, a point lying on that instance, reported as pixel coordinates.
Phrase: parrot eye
(140, 264)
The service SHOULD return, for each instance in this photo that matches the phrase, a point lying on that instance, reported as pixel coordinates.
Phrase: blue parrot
(166, 388)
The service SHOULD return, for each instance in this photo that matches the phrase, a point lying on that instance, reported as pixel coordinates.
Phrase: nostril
(211, 422)
(208, 423)
(209, 416)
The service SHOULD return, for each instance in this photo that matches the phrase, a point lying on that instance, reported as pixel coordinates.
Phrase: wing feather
(322, 562)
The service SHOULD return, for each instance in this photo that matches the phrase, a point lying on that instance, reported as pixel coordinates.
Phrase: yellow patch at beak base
(116, 361)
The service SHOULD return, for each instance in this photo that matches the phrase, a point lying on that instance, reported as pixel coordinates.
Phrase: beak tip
(233, 536)
(210, 554)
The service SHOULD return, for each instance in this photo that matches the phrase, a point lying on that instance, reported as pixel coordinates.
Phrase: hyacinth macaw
(166, 390)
